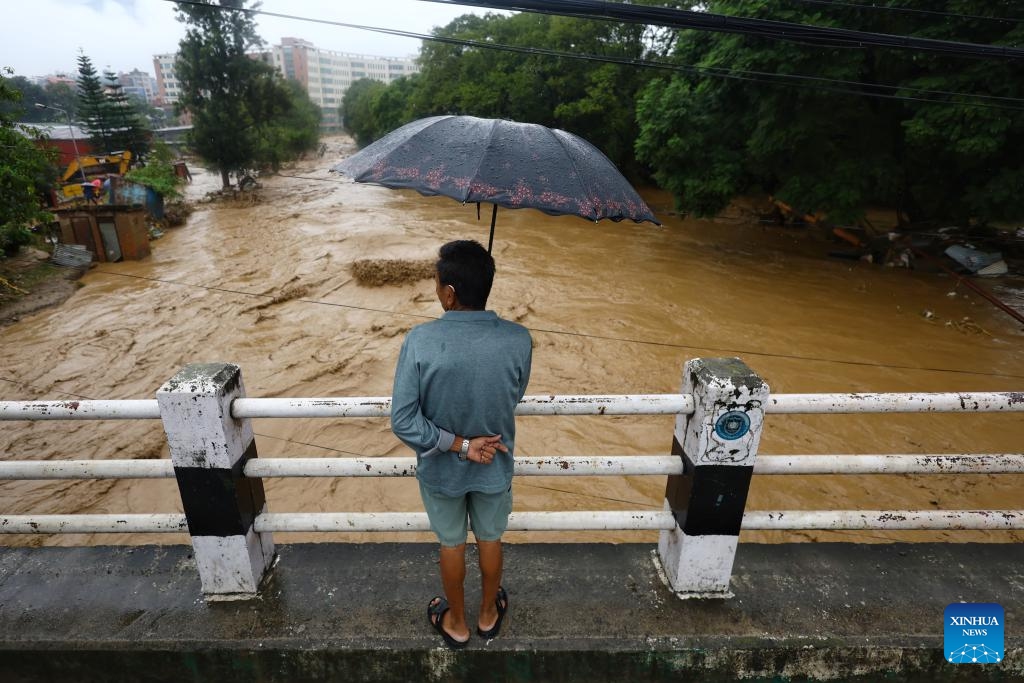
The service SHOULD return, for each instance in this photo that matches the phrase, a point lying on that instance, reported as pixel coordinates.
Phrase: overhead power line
(873, 90)
(721, 23)
(695, 346)
(912, 10)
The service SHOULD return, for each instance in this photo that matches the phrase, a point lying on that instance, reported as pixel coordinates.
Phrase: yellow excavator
(94, 166)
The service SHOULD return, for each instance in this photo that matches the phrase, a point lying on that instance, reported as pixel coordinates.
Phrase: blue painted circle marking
(732, 425)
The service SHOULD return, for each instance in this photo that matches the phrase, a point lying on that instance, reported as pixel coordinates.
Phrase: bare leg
(490, 579)
(453, 575)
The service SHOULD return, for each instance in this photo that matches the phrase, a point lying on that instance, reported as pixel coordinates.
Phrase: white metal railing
(643, 404)
(193, 407)
(594, 520)
(551, 466)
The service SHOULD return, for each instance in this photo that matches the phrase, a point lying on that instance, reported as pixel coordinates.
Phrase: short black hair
(466, 266)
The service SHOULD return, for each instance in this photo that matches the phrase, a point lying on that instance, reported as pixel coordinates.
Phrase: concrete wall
(585, 612)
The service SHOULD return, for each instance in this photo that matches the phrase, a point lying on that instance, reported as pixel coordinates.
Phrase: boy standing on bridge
(457, 384)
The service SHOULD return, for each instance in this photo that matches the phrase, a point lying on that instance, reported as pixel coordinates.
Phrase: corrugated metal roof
(73, 255)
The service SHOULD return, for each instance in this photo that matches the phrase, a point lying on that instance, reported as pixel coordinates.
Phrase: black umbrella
(515, 165)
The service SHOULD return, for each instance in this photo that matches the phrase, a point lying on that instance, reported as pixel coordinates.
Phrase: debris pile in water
(380, 272)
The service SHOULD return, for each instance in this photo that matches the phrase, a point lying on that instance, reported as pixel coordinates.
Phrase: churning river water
(614, 308)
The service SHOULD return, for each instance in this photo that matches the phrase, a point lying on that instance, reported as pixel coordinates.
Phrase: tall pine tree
(93, 106)
(128, 132)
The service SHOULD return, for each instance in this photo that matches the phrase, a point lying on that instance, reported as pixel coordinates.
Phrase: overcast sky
(40, 37)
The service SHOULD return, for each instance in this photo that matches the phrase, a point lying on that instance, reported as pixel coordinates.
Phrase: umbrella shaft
(494, 217)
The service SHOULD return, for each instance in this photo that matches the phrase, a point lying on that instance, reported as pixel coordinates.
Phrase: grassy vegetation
(17, 279)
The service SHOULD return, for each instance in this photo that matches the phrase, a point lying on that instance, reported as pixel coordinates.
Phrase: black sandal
(435, 615)
(493, 631)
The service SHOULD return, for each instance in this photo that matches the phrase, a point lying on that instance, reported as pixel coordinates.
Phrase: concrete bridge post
(718, 445)
(209, 449)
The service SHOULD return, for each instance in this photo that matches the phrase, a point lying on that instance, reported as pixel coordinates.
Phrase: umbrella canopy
(505, 163)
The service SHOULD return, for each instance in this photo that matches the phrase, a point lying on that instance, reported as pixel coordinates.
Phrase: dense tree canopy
(371, 109)
(592, 99)
(743, 113)
(25, 170)
(243, 114)
(59, 95)
(823, 146)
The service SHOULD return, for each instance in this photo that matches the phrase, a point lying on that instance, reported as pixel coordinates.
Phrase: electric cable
(721, 23)
(719, 72)
(583, 335)
(911, 10)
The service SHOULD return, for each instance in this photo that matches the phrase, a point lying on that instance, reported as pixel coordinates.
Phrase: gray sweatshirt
(462, 374)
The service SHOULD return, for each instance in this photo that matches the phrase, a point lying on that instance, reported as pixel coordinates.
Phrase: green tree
(296, 129)
(25, 170)
(127, 131)
(823, 146)
(236, 102)
(357, 110)
(589, 98)
(59, 95)
(22, 110)
(158, 173)
(93, 106)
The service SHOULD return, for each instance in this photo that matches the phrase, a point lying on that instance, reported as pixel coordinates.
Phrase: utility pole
(74, 143)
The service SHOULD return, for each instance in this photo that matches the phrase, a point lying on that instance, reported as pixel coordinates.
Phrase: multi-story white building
(325, 74)
(168, 89)
(138, 83)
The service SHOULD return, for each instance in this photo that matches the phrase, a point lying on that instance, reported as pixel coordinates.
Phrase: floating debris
(380, 272)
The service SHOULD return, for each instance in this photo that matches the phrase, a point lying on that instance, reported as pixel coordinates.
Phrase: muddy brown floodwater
(614, 308)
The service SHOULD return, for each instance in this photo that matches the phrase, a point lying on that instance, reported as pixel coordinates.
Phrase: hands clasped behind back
(482, 449)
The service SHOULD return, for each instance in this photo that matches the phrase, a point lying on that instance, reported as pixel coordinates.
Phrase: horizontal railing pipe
(930, 520)
(87, 469)
(598, 520)
(964, 463)
(593, 520)
(547, 466)
(93, 524)
(616, 520)
(640, 404)
(380, 406)
(142, 409)
(996, 401)
(406, 467)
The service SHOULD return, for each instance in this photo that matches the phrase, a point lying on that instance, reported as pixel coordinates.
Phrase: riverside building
(325, 74)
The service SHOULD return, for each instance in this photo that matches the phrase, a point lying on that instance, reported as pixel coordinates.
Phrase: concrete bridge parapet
(581, 612)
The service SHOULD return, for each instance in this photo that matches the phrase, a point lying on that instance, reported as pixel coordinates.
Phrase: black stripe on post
(220, 501)
(708, 500)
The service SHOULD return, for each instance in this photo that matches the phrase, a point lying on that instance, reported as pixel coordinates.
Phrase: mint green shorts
(487, 513)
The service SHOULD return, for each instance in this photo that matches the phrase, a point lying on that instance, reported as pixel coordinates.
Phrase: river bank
(29, 283)
(613, 308)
